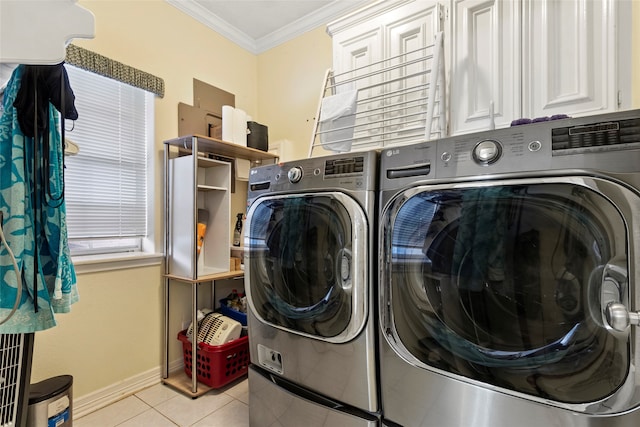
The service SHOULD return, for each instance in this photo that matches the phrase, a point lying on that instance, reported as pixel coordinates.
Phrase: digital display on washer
(346, 165)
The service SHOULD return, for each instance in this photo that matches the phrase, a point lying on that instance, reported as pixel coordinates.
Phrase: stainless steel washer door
(506, 284)
(306, 264)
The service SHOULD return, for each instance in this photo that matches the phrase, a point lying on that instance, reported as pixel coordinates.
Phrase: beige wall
(290, 78)
(112, 333)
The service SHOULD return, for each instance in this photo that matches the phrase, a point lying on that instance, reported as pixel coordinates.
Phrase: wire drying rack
(395, 101)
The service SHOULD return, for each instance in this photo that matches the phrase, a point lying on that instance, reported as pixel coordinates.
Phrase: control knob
(487, 152)
(295, 174)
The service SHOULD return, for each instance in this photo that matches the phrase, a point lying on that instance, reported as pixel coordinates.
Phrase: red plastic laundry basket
(217, 365)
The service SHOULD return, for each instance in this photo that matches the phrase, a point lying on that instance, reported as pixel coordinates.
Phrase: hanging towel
(49, 281)
(337, 118)
(39, 86)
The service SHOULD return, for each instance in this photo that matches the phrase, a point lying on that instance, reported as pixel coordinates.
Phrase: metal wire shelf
(396, 101)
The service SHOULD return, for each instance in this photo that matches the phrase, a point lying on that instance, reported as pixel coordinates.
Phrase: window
(106, 183)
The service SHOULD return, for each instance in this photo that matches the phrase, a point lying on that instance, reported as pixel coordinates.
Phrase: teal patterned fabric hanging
(48, 277)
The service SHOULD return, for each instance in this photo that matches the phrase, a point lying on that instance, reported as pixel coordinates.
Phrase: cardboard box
(234, 264)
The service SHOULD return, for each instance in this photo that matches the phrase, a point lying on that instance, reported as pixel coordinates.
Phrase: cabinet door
(379, 32)
(354, 51)
(569, 57)
(414, 28)
(485, 77)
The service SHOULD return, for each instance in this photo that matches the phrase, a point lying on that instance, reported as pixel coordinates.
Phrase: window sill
(107, 262)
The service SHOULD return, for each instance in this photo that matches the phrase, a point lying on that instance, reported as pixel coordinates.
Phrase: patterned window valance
(91, 61)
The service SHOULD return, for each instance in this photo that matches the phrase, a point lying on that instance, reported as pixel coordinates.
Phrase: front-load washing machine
(309, 253)
(510, 276)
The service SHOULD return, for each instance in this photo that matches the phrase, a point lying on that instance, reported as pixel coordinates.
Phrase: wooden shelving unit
(209, 278)
(219, 147)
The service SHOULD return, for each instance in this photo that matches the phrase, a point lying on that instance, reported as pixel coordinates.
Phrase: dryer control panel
(593, 137)
(606, 142)
(517, 148)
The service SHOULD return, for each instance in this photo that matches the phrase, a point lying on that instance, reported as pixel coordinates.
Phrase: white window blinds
(106, 182)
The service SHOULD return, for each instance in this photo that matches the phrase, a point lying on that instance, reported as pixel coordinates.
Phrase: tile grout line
(213, 412)
(145, 403)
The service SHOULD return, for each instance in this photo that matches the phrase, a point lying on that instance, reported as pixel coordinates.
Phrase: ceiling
(262, 24)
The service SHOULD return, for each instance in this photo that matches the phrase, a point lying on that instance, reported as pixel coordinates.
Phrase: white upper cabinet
(353, 51)
(485, 65)
(406, 37)
(536, 58)
(382, 30)
(505, 59)
(392, 95)
(569, 61)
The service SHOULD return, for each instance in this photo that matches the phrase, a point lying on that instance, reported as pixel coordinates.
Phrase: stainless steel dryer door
(507, 284)
(307, 264)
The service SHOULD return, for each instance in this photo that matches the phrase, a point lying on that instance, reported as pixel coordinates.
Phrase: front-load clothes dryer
(309, 253)
(510, 277)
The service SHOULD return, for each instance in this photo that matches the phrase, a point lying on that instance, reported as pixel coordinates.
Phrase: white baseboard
(91, 402)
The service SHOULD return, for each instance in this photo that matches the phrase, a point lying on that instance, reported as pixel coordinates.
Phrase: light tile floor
(162, 406)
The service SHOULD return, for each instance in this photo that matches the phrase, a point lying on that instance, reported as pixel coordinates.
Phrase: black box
(258, 136)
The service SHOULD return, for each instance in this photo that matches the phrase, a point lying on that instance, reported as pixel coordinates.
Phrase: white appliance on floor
(16, 354)
(309, 254)
(510, 277)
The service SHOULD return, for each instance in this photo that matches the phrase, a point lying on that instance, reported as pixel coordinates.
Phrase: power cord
(18, 275)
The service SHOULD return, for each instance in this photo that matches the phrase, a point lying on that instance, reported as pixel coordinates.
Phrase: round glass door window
(503, 285)
(301, 263)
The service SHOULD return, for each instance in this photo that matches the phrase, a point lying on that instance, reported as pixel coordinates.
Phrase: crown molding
(216, 23)
(368, 12)
(322, 16)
